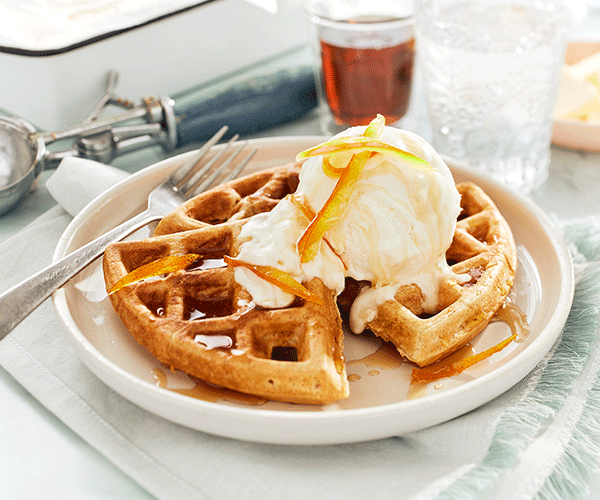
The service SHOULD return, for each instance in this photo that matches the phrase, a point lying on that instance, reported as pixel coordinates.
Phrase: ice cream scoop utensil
(247, 105)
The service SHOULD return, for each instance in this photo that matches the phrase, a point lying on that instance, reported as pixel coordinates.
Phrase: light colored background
(42, 458)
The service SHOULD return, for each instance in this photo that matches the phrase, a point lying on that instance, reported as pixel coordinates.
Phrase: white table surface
(42, 458)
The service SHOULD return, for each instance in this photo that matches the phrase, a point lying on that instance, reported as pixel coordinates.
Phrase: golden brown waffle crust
(209, 224)
(235, 200)
(158, 312)
(483, 246)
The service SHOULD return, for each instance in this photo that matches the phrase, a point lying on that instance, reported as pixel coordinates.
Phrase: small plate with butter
(576, 117)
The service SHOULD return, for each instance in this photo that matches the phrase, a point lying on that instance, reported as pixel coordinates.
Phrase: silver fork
(198, 174)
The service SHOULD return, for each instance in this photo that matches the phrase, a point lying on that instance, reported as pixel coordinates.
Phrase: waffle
(202, 322)
(293, 354)
(483, 248)
(233, 201)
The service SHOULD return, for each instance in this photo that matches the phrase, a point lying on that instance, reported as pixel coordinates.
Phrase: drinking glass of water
(364, 56)
(491, 71)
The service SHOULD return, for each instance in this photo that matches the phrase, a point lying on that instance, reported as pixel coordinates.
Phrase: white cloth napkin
(78, 181)
(541, 439)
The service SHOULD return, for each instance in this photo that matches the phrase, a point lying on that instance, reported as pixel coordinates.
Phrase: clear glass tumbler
(490, 73)
(364, 57)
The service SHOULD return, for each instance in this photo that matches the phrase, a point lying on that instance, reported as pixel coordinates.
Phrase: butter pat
(588, 70)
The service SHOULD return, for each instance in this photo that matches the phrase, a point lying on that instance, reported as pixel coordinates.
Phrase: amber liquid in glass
(358, 83)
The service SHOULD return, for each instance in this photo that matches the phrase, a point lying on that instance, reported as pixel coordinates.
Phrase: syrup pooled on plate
(208, 392)
(516, 319)
(386, 357)
(508, 313)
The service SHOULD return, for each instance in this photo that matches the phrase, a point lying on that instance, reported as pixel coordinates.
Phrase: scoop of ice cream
(395, 230)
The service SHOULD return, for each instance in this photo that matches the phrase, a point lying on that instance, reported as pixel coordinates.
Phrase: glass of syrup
(364, 54)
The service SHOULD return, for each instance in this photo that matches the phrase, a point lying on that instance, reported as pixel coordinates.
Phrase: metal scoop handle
(250, 106)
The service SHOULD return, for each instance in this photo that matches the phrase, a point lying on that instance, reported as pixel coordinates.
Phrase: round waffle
(201, 321)
(234, 201)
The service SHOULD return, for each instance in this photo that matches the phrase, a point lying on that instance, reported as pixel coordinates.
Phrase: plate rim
(96, 362)
(576, 135)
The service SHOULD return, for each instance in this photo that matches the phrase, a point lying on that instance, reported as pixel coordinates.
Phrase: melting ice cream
(394, 231)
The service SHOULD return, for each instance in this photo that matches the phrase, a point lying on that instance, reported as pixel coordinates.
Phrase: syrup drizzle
(208, 392)
(418, 389)
(509, 313)
(386, 357)
(214, 341)
(208, 264)
(516, 319)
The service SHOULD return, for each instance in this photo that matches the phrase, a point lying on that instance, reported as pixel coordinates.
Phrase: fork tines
(199, 183)
(203, 171)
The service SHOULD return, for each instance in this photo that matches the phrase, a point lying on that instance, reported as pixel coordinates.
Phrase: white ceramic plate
(382, 401)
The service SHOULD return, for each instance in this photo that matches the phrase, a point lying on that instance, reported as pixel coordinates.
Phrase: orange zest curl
(361, 143)
(278, 278)
(375, 128)
(432, 373)
(165, 265)
(345, 158)
(338, 151)
(335, 164)
(308, 244)
(309, 214)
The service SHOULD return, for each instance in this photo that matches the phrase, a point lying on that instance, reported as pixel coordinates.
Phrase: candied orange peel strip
(164, 265)
(335, 155)
(308, 244)
(278, 278)
(347, 168)
(368, 141)
(335, 164)
(432, 373)
(375, 128)
(309, 214)
(362, 143)
(301, 205)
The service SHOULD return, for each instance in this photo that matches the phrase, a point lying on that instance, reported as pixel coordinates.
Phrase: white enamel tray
(382, 402)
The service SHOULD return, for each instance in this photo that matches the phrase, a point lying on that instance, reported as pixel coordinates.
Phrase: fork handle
(21, 300)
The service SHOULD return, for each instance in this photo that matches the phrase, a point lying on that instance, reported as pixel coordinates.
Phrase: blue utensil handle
(249, 106)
